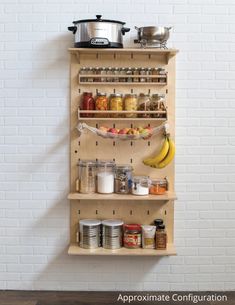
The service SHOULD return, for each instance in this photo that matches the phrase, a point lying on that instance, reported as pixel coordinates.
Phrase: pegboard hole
(130, 212)
(96, 212)
(114, 143)
(149, 143)
(114, 212)
(131, 160)
(96, 143)
(76, 151)
(148, 212)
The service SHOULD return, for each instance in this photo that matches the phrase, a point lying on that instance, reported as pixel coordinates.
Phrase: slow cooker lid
(98, 19)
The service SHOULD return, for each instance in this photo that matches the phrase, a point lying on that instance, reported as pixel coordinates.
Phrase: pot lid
(98, 19)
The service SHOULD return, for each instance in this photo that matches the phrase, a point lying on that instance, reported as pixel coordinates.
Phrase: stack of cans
(89, 233)
(112, 233)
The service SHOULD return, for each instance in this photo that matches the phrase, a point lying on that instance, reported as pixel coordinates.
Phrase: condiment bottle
(161, 238)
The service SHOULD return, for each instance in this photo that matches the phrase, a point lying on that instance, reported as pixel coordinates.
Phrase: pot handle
(125, 30)
(98, 16)
(72, 29)
(169, 28)
(137, 29)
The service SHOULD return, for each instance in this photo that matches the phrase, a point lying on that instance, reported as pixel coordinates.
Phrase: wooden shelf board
(96, 196)
(170, 52)
(125, 84)
(121, 119)
(74, 249)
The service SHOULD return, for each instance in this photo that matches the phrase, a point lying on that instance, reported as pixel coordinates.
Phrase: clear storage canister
(112, 230)
(105, 177)
(86, 176)
(158, 104)
(140, 185)
(123, 179)
(116, 104)
(144, 105)
(89, 233)
(130, 104)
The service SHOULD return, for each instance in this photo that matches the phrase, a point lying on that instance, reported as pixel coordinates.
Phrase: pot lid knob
(98, 17)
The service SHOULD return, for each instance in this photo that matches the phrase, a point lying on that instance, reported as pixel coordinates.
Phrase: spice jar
(116, 104)
(158, 186)
(123, 179)
(116, 72)
(83, 71)
(97, 77)
(140, 185)
(144, 105)
(132, 236)
(122, 72)
(158, 104)
(129, 75)
(101, 103)
(130, 104)
(105, 177)
(91, 71)
(87, 176)
(87, 103)
(142, 72)
(109, 71)
(161, 238)
(148, 237)
(135, 73)
(103, 73)
(149, 72)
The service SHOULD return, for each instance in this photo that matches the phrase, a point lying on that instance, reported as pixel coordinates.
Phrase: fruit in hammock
(113, 130)
(123, 131)
(103, 128)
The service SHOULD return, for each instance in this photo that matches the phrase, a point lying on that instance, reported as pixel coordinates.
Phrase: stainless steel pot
(98, 33)
(153, 35)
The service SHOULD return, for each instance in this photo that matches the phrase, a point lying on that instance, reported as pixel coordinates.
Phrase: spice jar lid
(158, 181)
(105, 163)
(131, 95)
(132, 227)
(89, 222)
(101, 94)
(161, 227)
(141, 179)
(112, 222)
(158, 222)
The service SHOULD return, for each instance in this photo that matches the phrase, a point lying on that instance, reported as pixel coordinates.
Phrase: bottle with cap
(161, 237)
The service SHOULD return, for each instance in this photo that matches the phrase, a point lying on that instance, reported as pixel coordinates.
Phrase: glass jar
(123, 179)
(109, 71)
(149, 72)
(132, 236)
(129, 75)
(91, 72)
(83, 71)
(86, 176)
(97, 73)
(105, 177)
(161, 238)
(158, 104)
(140, 185)
(115, 104)
(144, 105)
(87, 103)
(142, 72)
(122, 79)
(158, 186)
(130, 104)
(116, 72)
(101, 103)
(103, 72)
(135, 73)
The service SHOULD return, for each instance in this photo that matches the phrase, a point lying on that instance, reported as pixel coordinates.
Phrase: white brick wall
(34, 168)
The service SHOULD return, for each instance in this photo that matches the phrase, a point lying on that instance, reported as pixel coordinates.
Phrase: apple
(113, 130)
(103, 128)
(123, 131)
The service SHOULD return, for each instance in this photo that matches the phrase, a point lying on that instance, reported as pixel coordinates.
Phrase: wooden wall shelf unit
(129, 208)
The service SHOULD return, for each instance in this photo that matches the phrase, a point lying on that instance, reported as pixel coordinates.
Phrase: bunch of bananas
(164, 157)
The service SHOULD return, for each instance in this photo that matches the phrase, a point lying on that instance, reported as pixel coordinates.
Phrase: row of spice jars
(117, 74)
(113, 234)
(128, 102)
(106, 177)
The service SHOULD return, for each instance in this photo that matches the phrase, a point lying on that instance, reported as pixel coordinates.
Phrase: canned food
(130, 104)
(116, 104)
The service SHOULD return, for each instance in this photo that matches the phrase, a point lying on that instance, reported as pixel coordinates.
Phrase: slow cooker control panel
(99, 41)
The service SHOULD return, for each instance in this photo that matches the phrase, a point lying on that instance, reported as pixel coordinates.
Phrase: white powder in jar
(105, 183)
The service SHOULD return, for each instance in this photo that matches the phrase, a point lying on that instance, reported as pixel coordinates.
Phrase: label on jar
(161, 241)
(148, 241)
(132, 240)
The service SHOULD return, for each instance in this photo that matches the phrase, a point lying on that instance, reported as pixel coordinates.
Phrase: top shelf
(170, 52)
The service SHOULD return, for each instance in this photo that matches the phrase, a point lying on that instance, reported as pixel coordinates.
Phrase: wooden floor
(93, 298)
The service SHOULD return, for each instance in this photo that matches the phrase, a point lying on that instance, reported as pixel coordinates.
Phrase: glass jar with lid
(116, 72)
(136, 73)
(158, 186)
(123, 179)
(131, 104)
(87, 103)
(103, 73)
(144, 105)
(116, 104)
(101, 103)
(91, 72)
(161, 238)
(132, 236)
(83, 71)
(158, 104)
(129, 75)
(144, 73)
(122, 72)
(98, 73)
(86, 176)
(140, 185)
(105, 176)
(109, 71)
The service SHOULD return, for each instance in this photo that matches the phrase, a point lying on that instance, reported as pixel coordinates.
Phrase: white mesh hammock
(109, 135)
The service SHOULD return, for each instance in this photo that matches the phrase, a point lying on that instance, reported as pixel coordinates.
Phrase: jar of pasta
(101, 103)
(130, 104)
(116, 104)
(144, 105)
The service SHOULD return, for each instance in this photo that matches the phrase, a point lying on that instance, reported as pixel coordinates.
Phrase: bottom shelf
(74, 249)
